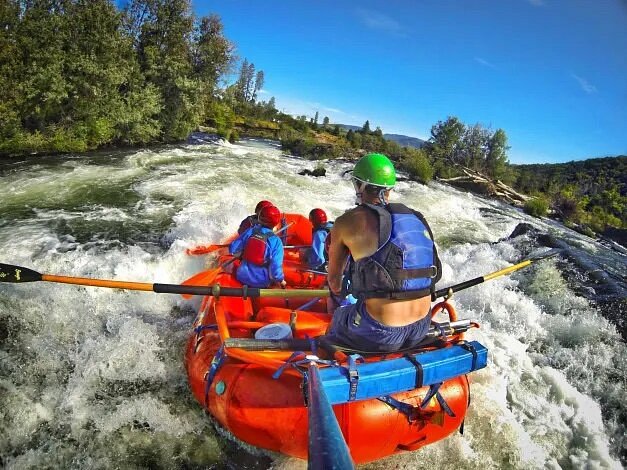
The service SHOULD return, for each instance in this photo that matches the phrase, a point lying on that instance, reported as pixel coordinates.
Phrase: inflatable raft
(384, 404)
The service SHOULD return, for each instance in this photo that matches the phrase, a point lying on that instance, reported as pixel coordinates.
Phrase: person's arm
(237, 245)
(275, 248)
(338, 253)
(316, 254)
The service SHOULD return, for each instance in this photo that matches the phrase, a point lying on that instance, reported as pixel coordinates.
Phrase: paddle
(327, 447)
(206, 249)
(478, 280)
(204, 278)
(203, 250)
(19, 274)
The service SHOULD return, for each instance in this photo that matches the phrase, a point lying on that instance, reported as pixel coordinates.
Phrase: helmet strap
(360, 186)
(381, 195)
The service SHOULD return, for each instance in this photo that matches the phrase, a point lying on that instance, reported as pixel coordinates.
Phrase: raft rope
(200, 329)
(216, 362)
(411, 411)
(434, 391)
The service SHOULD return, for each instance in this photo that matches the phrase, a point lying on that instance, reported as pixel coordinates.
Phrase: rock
(316, 172)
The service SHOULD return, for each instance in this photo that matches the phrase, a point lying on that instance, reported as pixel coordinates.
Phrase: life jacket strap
(430, 272)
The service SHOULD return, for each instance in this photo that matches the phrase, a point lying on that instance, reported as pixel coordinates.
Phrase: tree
(473, 147)
(496, 158)
(212, 53)
(165, 54)
(315, 121)
(446, 140)
(244, 81)
(259, 81)
(366, 128)
(325, 122)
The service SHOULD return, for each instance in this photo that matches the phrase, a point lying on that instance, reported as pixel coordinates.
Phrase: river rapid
(94, 378)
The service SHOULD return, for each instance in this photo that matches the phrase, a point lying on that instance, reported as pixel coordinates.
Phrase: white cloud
(263, 92)
(485, 62)
(585, 84)
(380, 22)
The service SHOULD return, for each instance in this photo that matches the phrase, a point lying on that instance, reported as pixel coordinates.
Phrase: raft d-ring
(444, 305)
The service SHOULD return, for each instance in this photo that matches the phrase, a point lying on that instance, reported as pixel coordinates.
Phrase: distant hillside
(402, 140)
(405, 140)
(591, 176)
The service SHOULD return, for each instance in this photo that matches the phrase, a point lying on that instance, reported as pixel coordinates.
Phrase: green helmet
(375, 169)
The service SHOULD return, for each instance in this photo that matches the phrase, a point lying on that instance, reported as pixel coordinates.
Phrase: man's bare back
(357, 232)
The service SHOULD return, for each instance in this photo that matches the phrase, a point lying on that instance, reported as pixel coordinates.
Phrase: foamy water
(94, 378)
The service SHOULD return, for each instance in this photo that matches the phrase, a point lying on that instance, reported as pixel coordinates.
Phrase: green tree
(446, 140)
(212, 54)
(366, 128)
(11, 71)
(165, 56)
(537, 206)
(473, 147)
(496, 158)
(416, 163)
(325, 122)
(259, 82)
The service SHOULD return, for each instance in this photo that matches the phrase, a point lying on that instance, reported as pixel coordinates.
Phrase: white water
(94, 378)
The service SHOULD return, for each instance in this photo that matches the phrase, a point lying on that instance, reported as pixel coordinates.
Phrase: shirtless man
(387, 254)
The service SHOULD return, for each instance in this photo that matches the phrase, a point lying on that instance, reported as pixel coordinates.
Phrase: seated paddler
(254, 218)
(261, 251)
(318, 255)
(386, 256)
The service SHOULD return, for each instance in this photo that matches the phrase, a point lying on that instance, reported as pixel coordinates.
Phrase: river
(94, 378)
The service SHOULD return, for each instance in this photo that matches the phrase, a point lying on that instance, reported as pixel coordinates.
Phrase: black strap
(469, 347)
(405, 295)
(403, 274)
(419, 369)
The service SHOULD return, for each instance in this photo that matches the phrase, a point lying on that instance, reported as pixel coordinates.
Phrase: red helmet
(261, 204)
(269, 216)
(317, 217)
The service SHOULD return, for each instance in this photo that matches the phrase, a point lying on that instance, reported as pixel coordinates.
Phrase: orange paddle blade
(203, 250)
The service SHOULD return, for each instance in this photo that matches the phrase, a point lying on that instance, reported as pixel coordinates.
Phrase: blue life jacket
(325, 247)
(406, 264)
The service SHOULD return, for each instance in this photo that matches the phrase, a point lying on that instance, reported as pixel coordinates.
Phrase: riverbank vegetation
(78, 76)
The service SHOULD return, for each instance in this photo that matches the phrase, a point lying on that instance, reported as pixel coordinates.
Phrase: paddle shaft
(502, 272)
(203, 250)
(327, 447)
(19, 274)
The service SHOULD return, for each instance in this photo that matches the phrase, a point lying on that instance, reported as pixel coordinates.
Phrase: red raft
(384, 404)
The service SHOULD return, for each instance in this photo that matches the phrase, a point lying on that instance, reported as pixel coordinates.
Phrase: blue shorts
(353, 326)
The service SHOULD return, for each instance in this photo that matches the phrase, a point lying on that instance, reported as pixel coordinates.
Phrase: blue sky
(551, 73)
